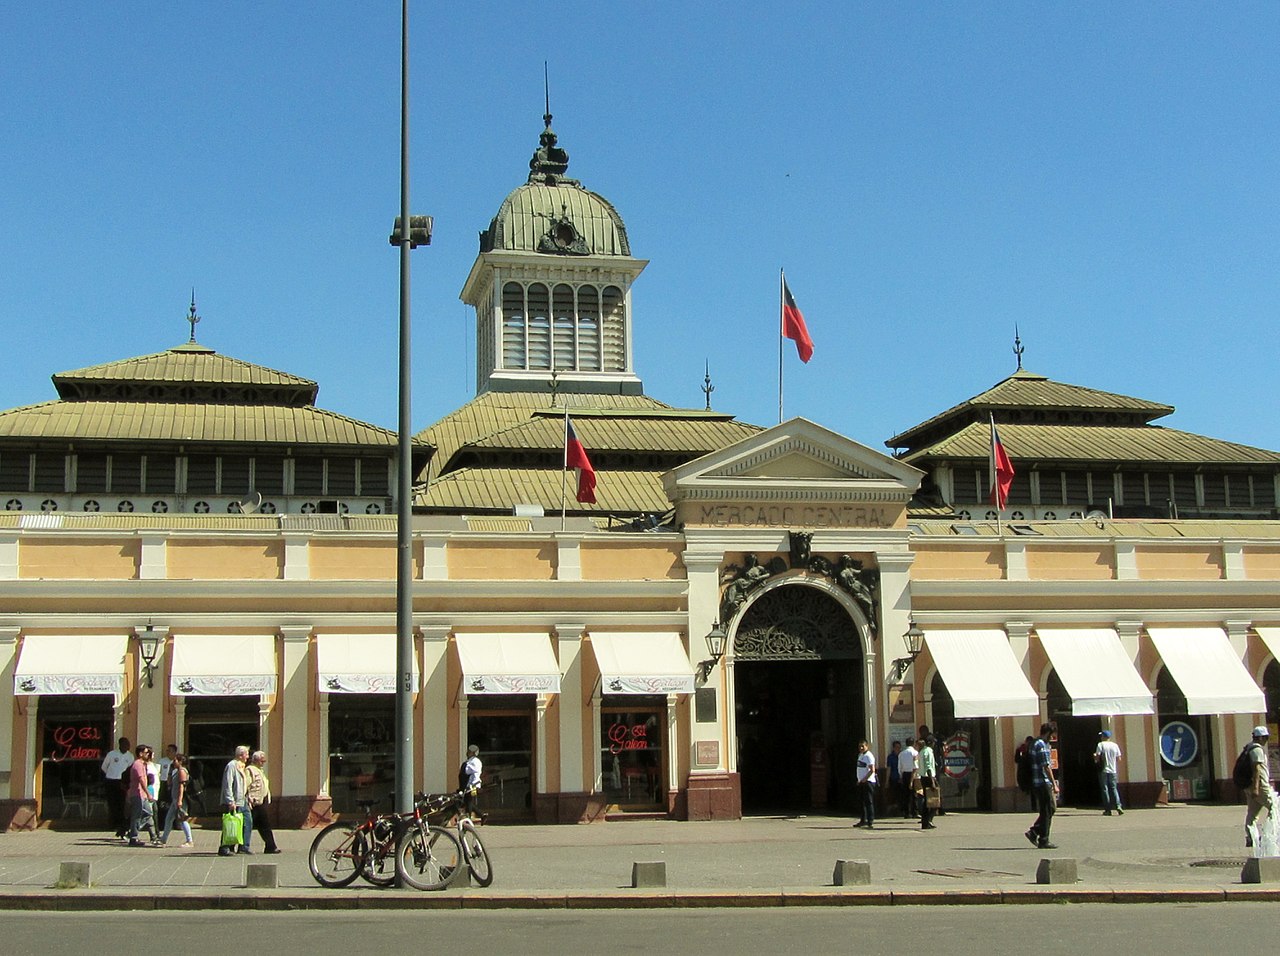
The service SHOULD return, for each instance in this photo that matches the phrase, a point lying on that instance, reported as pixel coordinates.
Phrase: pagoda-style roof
(147, 421)
(507, 448)
(1027, 398)
(187, 373)
(1145, 445)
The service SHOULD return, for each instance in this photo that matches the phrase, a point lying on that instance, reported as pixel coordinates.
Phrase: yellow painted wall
(983, 562)
(1189, 563)
(222, 560)
(626, 562)
(1261, 565)
(115, 560)
(1090, 563)
(515, 561)
(370, 560)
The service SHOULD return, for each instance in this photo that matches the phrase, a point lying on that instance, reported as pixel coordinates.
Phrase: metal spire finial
(707, 387)
(554, 384)
(191, 316)
(546, 95)
(1017, 346)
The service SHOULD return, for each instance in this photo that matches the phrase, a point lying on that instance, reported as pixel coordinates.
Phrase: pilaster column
(150, 700)
(153, 564)
(569, 650)
(8, 661)
(541, 745)
(297, 557)
(294, 697)
(436, 765)
(703, 572)
(1233, 561)
(1015, 559)
(568, 557)
(8, 557)
(1126, 561)
(435, 566)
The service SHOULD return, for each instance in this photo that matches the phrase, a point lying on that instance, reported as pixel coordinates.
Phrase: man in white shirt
(867, 785)
(469, 779)
(1107, 756)
(114, 767)
(908, 763)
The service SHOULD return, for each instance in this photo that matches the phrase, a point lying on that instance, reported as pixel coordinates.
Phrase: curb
(82, 900)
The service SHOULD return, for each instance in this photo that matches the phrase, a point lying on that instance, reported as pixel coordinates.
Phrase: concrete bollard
(1257, 869)
(1056, 871)
(261, 876)
(73, 875)
(851, 873)
(648, 874)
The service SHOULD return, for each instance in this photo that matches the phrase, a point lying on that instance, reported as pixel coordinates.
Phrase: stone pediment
(797, 472)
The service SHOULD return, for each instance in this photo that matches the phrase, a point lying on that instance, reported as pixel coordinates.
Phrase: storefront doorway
(963, 746)
(215, 727)
(74, 736)
(799, 706)
(361, 749)
(632, 752)
(1077, 740)
(1185, 743)
(503, 730)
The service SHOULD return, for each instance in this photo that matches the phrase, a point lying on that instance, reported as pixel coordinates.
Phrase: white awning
(71, 664)
(223, 665)
(1096, 671)
(1207, 670)
(982, 674)
(508, 664)
(359, 663)
(1271, 637)
(642, 663)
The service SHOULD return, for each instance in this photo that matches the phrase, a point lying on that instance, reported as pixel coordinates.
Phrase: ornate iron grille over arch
(796, 623)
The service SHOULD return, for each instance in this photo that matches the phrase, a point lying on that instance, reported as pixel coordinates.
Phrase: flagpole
(564, 470)
(782, 281)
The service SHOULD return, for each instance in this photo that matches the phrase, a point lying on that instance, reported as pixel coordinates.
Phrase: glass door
(505, 737)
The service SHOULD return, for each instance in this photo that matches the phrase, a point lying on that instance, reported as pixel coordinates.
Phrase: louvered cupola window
(578, 328)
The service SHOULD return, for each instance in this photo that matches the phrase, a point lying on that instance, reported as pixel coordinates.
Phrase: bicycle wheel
(428, 858)
(380, 860)
(337, 854)
(477, 856)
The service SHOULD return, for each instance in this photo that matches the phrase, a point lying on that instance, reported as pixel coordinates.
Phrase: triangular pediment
(800, 451)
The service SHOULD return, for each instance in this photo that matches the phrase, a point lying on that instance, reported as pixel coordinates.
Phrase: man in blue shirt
(1044, 789)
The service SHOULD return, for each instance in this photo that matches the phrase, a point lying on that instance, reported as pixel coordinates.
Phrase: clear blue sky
(1104, 176)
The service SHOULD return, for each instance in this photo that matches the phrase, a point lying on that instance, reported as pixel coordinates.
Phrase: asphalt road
(1048, 930)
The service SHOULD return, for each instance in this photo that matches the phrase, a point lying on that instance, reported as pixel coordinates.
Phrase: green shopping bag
(232, 829)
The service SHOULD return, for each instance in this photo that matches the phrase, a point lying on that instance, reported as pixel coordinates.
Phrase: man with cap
(469, 778)
(1258, 795)
(1107, 757)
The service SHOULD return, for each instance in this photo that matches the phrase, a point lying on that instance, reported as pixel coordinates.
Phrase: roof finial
(549, 161)
(1017, 346)
(554, 385)
(707, 387)
(191, 316)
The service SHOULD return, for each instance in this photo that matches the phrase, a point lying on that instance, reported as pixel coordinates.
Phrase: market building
(194, 553)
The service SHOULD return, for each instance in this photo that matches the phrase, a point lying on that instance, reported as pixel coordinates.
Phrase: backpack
(1242, 772)
(1022, 761)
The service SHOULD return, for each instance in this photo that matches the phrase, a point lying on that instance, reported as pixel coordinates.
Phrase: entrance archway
(1077, 740)
(799, 702)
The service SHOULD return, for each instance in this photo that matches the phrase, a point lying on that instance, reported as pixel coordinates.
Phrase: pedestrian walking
(893, 776)
(867, 785)
(1258, 795)
(141, 809)
(234, 798)
(469, 775)
(1107, 754)
(908, 762)
(1044, 787)
(115, 771)
(259, 795)
(179, 779)
(930, 793)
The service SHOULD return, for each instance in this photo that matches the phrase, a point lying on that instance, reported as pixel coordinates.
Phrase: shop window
(503, 730)
(361, 748)
(1185, 758)
(75, 734)
(631, 753)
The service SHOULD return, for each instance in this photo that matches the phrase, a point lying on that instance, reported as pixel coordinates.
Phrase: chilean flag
(1001, 470)
(793, 326)
(575, 456)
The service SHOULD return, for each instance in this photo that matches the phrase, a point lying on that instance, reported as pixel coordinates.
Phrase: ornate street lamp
(715, 638)
(914, 638)
(148, 648)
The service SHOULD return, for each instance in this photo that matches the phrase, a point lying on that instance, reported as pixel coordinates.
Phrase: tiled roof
(689, 433)
(1026, 390)
(1088, 528)
(175, 421)
(1139, 444)
(470, 490)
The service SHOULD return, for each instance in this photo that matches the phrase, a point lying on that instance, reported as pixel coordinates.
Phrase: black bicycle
(454, 807)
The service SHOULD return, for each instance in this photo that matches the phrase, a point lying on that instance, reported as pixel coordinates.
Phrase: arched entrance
(799, 704)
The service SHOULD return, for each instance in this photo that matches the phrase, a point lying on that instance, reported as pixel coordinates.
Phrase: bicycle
(428, 857)
(346, 850)
(473, 851)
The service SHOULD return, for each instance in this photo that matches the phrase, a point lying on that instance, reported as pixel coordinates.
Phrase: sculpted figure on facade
(746, 580)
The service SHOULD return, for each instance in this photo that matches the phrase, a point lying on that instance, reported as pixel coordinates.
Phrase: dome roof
(553, 214)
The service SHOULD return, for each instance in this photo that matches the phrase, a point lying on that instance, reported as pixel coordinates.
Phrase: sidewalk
(1174, 853)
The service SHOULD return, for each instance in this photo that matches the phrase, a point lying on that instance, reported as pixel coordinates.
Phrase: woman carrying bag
(179, 778)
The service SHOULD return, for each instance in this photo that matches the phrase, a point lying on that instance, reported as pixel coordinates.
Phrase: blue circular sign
(1179, 745)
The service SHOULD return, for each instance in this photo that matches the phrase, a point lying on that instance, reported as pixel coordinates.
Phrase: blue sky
(1104, 176)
